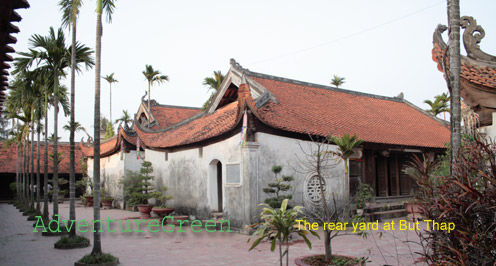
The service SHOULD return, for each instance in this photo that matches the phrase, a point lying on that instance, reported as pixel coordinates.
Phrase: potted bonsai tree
(162, 210)
(139, 189)
(365, 193)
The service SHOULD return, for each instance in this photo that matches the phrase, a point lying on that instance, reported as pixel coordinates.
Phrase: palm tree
(109, 6)
(337, 81)
(70, 13)
(110, 79)
(77, 127)
(346, 144)
(440, 104)
(125, 118)
(454, 74)
(153, 76)
(213, 83)
(21, 102)
(51, 52)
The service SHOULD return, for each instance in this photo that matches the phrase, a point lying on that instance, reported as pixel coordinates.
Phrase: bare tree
(319, 159)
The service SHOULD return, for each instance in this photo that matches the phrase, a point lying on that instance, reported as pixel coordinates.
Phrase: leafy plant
(106, 196)
(138, 186)
(421, 170)
(277, 226)
(466, 198)
(109, 130)
(365, 193)
(163, 197)
(13, 187)
(279, 186)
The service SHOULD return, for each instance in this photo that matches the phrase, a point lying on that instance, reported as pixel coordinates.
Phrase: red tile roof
(197, 129)
(111, 145)
(319, 111)
(8, 158)
(472, 71)
(169, 115)
(307, 109)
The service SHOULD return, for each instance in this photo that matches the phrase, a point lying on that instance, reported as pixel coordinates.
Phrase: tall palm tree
(337, 81)
(51, 52)
(109, 6)
(346, 144)
(454, 75)
(213, 83)
(153, 76)
(125, 118)
(70, 13)
(21, 102)
(110, 79)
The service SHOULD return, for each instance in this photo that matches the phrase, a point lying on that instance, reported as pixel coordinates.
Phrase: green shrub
(13, 187)
(98, 259)
(138, 187)
(276, 188)
(67, 240)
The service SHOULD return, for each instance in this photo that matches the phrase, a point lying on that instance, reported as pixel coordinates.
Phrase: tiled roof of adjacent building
(111, 145)
(197, 128)
(8, 157)
(167, 115)
(7, 15)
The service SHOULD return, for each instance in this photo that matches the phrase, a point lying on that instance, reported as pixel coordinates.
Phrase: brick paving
(19, 245)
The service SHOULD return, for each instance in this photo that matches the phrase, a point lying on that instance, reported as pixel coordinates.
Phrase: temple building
(220, 159)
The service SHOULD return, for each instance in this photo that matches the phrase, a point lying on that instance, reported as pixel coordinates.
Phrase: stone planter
(145, 211)
(107, 204)
(162, 212)
(89, 201)
(115, 263)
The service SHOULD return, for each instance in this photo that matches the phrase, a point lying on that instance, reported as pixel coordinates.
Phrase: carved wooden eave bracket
(478, 69)
(472, 36)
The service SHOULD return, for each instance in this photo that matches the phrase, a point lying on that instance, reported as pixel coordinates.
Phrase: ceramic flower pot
(145, 211)
(162, 212)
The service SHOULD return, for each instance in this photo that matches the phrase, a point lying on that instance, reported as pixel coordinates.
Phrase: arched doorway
(215, 186)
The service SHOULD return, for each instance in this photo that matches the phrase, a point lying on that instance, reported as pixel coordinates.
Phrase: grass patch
(99, 259)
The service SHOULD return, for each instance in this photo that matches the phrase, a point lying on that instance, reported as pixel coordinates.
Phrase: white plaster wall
(187, 175)
(289, 153)
(491, 130)
(112, 171)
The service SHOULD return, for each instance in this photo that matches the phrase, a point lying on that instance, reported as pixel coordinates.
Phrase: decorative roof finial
(472, 36)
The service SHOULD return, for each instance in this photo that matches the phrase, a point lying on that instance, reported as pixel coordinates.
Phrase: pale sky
(381, 47)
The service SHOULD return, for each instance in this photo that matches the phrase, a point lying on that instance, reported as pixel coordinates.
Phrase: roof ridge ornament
(237, 66)
(472, 36)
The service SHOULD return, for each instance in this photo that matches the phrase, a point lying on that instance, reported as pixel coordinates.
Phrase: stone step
(389, 214)
(217, 215)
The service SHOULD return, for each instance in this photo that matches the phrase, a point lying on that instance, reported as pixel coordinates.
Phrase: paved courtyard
(19, 245)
